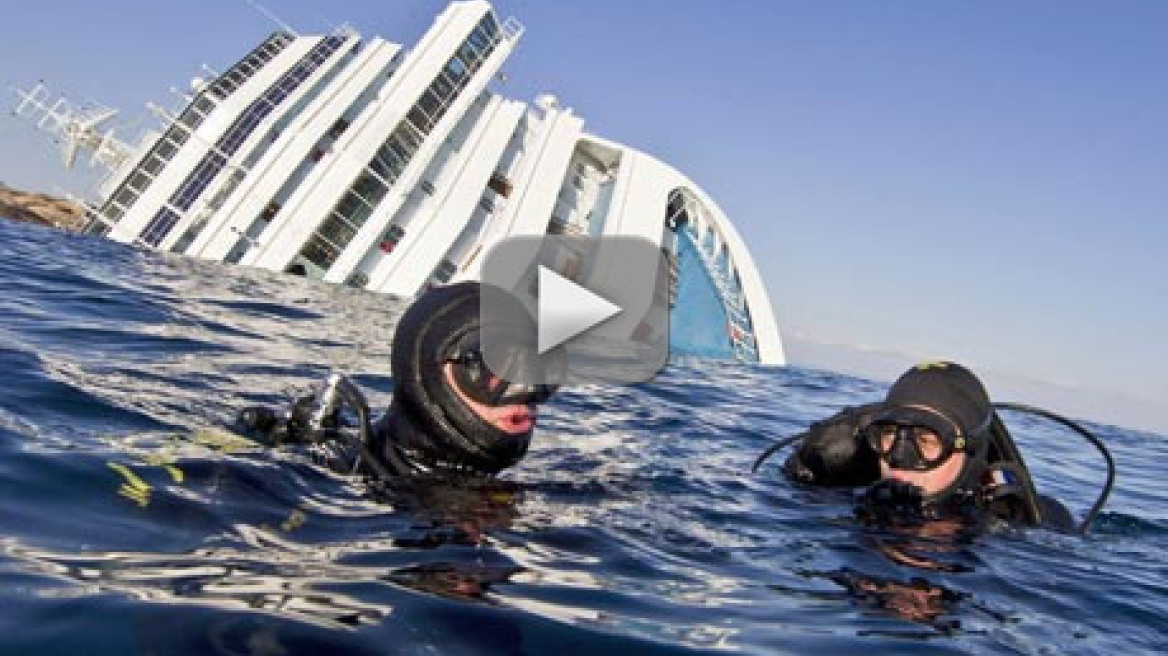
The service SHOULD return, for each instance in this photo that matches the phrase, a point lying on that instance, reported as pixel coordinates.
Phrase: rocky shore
(40, 208)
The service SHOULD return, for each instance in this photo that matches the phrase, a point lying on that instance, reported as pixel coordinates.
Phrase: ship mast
(74, 128)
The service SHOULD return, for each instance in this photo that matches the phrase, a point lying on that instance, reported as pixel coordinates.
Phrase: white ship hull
(364, 164)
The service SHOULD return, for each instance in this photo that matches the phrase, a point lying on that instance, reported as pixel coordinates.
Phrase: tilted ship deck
(361, 163)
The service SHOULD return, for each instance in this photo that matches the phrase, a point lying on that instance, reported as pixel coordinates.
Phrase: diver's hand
(257, 418)
(259, 422)
(890, 501)
(301, 422)
(313, 418)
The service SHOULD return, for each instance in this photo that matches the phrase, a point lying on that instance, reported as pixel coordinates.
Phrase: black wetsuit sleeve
(833, 453)
(288, 429)
(1055, 515)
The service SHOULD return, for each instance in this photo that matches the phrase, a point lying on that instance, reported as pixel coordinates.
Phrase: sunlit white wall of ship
(394, 170)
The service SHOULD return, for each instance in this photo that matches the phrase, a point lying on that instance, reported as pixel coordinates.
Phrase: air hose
(1090, 437)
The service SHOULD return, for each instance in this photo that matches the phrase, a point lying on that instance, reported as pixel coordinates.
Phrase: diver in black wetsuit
(450, 415)
(934, 448)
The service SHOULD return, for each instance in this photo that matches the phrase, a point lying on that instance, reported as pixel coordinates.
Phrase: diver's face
(514, 419)
(930, 481)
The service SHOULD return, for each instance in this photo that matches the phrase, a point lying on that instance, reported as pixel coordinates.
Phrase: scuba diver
(450, 415)
(934, 448)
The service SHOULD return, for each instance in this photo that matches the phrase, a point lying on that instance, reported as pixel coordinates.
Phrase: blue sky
(983, 181)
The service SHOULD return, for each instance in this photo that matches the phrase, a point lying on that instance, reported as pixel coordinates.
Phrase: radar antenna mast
(74, 128)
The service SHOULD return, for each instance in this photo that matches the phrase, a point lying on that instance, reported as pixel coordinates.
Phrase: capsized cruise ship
(359, 162)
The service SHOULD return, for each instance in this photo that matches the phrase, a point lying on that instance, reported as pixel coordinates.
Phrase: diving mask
(477, 381)
(914, 438)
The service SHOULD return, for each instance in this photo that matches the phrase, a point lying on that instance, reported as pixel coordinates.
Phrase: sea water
(131, 523)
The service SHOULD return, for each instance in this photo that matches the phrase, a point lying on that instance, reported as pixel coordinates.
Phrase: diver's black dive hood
(953, 392)
(428, 426)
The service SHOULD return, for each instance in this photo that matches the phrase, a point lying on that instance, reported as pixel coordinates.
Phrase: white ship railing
(512, 28)
(742, 339)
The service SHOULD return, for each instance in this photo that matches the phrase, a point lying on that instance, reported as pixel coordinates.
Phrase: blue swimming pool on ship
(130, 525)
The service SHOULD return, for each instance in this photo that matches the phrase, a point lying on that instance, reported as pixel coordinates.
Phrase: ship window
(501, 185)
(469, 57)
(369, 188)
(430, 103)
(358, 280)
(481, 41)
(319, 252)
(242, 245)
(456, 71)
(442, 87)
(165, 149)
(445, 271)
(189, 120)
(245, 68)
(138, 181)
(204, 105)
(161, 224)
(391, 237)
(356, 210)
(337, 230)
(386, 164)
(350, 205)
(387, 161)
(411, 137)
(490, 26)
(360, 202)
(126, 197)
(270, 211)
(177, 135)
(419, 120)
(338, 128)
(153, 165)
(401, 148)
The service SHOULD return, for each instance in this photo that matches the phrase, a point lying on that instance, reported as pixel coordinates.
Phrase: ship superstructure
(361, 163)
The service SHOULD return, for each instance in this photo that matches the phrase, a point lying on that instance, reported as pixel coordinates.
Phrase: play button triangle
(567, 309)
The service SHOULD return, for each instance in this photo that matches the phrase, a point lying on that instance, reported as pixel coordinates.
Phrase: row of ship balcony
(182, 128)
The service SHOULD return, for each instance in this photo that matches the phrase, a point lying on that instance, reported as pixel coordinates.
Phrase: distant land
(32, 207)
